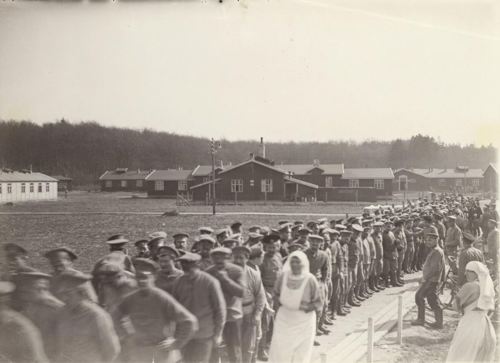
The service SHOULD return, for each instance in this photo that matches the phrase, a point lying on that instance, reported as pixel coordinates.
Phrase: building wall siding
(17, 196)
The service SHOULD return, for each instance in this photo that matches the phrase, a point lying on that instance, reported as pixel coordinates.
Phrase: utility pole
(214, 146)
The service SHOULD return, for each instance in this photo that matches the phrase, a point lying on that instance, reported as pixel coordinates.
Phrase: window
(9, 188)
(266, 185)
(182, 185)
(23, 187)
(138, 183)
(379, 184)
(123, 183)
(32, 188)
(236, 185)
(205, 179)
(159, 185)
(47, 187)
(353, 183)
(40, 187)
(458, 182)
(475, 182)
(329, 181)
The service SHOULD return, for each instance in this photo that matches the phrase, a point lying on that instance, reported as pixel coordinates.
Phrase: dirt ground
(86, 233)
(420, 344)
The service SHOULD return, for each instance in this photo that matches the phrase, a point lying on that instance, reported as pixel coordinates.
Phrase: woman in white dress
(475, 338)
(297, 297)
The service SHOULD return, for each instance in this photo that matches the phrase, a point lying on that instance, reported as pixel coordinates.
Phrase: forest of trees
(85, 150)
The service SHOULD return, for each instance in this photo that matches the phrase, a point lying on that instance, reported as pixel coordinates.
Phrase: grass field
(84, 225)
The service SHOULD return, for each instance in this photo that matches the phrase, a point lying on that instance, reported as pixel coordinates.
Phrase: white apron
(294, 329)
(474, 339)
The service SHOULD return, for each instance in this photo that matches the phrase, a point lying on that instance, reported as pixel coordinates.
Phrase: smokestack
(262, 148)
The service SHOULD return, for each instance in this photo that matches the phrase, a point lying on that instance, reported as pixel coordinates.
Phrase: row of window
(124, 183)
(31, 186)
(266, 185)
(460, 182)
(182, 185)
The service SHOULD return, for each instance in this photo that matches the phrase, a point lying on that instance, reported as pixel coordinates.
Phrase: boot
(420, 316)
(438, 315)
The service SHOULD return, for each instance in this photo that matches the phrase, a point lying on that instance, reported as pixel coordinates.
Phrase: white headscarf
(486, 299)
(304, 261)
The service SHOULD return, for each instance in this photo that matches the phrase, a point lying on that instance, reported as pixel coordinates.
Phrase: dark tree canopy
(85, 150)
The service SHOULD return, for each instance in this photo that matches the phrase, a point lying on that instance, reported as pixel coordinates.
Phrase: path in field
(180, 213)
(348, 340)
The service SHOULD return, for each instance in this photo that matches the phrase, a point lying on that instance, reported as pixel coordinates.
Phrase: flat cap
(117, 239)
(304, 230)
(241, 250)
(220, 231)
(254, 228)
(340, 226)
(296, 247)
(345, 232)
(378, 224)
(157, 234)
(221, 250)
(169, 248)
(189, 257)
(432, 234)
(282, 222)
(205, 238)
(270, 238)
(236, 224)
(357, 227)
(180, 234)
(332, 231)
(205, 230)
(141, 242)
(14, 248)
(315, 237)
(230, 241)
(254, 235)
(69, 251)
(284, 226)
(453, 218)
(145, 265)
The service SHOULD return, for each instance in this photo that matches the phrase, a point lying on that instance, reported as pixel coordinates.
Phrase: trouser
(335, 302)
(267, 324)
(248, 338)
(360, 278)
(401, 258)
(198, 350)
(353, 278)
(151, 354)
(232, 338)
(407, 264)
(429, 290)
(390, 267)
(323, 292)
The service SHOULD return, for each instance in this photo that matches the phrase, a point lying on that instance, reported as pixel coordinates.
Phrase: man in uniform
(221, 235)
(17, 260)
(141, 248)
(20, 340)
(203, 246)
(156, 239)
(152, 312)
(231, 279)
(254, 239)
(271, 267)
(34, 300)
(85, 332)
(492, 243)
(378, 261)
(201, 294)
(467, 254)
(338, 272)
(353, 262)
(318, 266)
(400, 241)
(390, 256)
(254, 302)
(168, 272)
(432, 275)
(453, 241)
(359, 293)
(181, 241)
(410, 246)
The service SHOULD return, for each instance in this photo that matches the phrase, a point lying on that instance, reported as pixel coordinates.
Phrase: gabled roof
(255, 162)
(18, 176)
(169, 174)
(440, 173)
(204, 170)
(204, 183)
(124, 174)
(492, 166)
(61, 178)
(303, 169)
(301, 182)
(368, 173)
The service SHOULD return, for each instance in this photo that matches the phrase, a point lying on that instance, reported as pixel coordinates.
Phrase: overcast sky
(283, 69)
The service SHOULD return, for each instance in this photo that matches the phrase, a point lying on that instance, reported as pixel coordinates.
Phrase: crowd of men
(210, 298)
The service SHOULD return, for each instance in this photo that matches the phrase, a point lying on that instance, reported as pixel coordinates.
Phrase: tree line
(85, 150)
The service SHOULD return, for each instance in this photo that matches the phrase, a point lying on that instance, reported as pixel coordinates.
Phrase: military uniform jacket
(433, 269)
(353, 249)
(388, 241)
(379, 247)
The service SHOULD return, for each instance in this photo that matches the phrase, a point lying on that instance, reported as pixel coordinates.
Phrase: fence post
(400, 319)
(369, 350)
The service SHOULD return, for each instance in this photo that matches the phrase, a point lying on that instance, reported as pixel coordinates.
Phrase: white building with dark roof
(20, 186)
